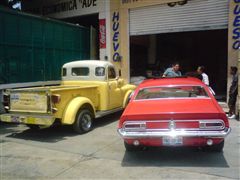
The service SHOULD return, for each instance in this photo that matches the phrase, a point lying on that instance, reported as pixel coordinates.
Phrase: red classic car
(173, 112)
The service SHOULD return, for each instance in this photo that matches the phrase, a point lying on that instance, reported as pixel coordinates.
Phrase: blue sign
(115, 38)
(236, 25)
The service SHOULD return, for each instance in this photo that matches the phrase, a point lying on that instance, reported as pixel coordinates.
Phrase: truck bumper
(45, 120)
(173, 133)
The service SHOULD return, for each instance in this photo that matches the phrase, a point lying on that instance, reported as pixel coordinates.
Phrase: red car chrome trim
(171, 98)
(173, 133)
(203, 121)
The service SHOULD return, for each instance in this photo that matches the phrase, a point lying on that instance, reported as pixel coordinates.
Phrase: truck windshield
(172, 92)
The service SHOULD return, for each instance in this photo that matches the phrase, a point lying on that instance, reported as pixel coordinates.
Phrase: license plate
(172, 141)
(29, 101)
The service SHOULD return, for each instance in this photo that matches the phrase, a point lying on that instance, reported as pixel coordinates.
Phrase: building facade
(143, 37)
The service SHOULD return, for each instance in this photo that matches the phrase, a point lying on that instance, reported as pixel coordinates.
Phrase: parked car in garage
(173, 112)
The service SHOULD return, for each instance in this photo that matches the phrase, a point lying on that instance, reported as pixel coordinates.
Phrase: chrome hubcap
(86, 122)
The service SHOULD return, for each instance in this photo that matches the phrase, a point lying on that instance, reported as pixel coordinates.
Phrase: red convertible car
(173, 112)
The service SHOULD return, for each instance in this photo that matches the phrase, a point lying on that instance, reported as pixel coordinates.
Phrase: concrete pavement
(58, 153)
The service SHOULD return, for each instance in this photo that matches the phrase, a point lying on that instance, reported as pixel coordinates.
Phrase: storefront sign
(102, 33)
(129, 1)
(115, 38)
(68, 6)
(63, 8)
(236, 25)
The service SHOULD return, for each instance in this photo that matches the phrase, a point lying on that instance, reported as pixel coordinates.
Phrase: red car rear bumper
(164, 138)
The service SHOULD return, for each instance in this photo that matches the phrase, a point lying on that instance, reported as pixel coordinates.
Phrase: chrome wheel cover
(86, 122)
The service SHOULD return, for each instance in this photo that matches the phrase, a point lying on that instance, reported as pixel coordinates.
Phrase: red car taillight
(212, 124)
(134, 126)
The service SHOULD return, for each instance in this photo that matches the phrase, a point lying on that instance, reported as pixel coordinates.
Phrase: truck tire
(83, 122)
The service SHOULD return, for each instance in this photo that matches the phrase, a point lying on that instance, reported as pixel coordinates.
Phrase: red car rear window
(172, 92)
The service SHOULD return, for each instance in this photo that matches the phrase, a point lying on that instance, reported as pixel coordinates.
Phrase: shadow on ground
(6, 128)
(100, 122)
(174, 157)
(54, 133)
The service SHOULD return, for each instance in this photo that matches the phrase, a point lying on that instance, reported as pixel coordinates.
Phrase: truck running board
(104, 113)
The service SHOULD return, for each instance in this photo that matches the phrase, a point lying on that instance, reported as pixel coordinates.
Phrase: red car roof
(171, 81)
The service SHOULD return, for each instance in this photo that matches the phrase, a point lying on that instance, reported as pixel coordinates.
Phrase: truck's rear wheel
(83, 122)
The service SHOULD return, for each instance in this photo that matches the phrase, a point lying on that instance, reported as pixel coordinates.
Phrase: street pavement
(59, 153)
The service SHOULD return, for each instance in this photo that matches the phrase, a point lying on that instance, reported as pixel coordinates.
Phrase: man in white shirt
(201, 70)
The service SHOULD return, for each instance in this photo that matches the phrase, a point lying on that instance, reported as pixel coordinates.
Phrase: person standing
(201, 70)
(233, 92)
(173, 71)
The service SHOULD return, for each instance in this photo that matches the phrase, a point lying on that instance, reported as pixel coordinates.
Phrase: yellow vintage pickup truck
(89, 89)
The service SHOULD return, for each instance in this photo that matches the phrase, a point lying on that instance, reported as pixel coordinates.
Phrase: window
(172, 92)
(64, 72)
(80, 71)
(100, 71)
(111, 73)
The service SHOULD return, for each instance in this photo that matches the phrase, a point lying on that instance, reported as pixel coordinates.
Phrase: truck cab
(99, 73)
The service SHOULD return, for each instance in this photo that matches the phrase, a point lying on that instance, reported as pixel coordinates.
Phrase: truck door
(114, 92)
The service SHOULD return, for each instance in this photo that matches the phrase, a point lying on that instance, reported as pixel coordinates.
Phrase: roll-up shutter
(193, 16)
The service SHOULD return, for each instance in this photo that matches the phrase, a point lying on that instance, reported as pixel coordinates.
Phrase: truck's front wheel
(83, 122)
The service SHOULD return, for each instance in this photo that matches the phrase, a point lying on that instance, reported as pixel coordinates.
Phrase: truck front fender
(74, 106)
(126, 98)
(128, 87)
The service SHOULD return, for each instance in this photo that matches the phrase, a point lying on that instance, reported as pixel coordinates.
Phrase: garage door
(193, 16)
